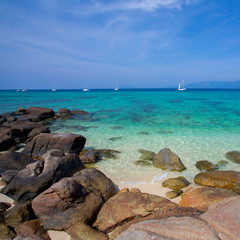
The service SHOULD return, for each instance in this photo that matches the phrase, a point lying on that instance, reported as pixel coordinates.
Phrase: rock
(184, 228)
(166, 159)
(126, 206)
(29, 118)
(64, 113)
(90, 156)
(221, 163)
(32, 228)
(176, 183)
(79, 112)
(4, 206)
(73, 200)
(143, 163)
(66, 142)
(6, 233)
(21, 111)
(20, 213)
(115, 138)
(146, 155)
(174, 194)
(85, 232)
(224, 217)
(2, 120)
(33, 237)
(234, 156)
(38, 176)
(42, 112)
(202, 197)
(143, 133)
(13, 161)
(160, 214)
(37, 131)
(205, 165)
(221, 179)
(6, 142)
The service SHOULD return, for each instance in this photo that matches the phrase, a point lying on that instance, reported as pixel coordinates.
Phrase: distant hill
(215, 84)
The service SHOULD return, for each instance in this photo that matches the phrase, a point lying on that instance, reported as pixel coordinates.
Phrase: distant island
(215, 84)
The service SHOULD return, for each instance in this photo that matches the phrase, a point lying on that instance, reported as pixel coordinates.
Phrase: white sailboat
(86, 88)
(116, 88)
(183, 87)
(54, 90)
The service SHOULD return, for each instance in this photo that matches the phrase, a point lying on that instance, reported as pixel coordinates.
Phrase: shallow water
(195, 124)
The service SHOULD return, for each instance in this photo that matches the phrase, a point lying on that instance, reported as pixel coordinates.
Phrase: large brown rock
(202, 197)
(224, 218)
(166, 159)
(183, 228)
(220, 179)
(85, 232)
(126, 206)
(32, 228)
(6, 142)
(64, 113)
(73, 200)
(205, 165)
(37, 131)
(66, 142)
(42, 112)
(38, 176)
(176, 183)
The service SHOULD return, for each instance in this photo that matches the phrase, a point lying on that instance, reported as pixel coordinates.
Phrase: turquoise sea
(195, 124)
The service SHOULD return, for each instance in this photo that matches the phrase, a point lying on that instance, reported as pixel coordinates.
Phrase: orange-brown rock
(176, 183)
(221, 179)
(202, 197)
(126, 206)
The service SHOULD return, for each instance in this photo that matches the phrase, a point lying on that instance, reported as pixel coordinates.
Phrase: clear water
(195, 124)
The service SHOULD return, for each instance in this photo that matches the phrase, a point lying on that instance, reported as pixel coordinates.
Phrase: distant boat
(24, 90)
(86, 88)
(183, 87)
(54, 90)
(116, 88)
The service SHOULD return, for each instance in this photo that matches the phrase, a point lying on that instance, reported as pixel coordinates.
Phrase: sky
(71, 44)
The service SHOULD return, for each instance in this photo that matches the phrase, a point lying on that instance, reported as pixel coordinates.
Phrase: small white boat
(54, 90)
(116, 89)
(183, 87)
(24, 90)
(85, 89)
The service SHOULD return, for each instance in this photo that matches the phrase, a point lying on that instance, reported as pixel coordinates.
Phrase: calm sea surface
(195, 124)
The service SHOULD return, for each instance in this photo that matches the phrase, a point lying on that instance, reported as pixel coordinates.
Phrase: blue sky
(151, 43)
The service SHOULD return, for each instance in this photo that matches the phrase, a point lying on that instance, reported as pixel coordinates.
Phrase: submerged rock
(205, 165)
(143, 133)
(174, 194)
(143, 163)
(234, 156)
(176, 183)
(146, 155)
(115, 139)
(166, 159)
(64, 113)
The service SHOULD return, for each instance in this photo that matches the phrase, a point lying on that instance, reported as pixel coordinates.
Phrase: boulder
(234, 156)
(37, 131)
(6, 142)
(174, 193)
(183, 228)
(2, 120)
(224, 218)
(64, 113)
(85, 232)
(146, 155)
(42, 112)
(39, 176)
(6, 233)
(20, 213)
(66, 142)
(32, 228)
(205, 165)
(221, 179)
(73, 200)
(13, 161)
(202, 197)
(176, 183)
(166, 159)
(29, 118)
(126, 206)
(21, 111)
(90, 156)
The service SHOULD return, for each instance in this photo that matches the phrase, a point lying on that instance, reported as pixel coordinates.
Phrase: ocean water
(195, 124)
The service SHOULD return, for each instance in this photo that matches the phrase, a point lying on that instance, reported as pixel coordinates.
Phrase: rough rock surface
(42, 112)
(221, 179)
(37, 131)
(6, 142)
(202, 197)
(224, 217)
(176, 183)
(166, 159)
(126, 206)
(73, 200)
(85, 232)
(66, 142)
(64, 113)
(184, 228)
(205, 165)
(174, 193)
(38, 176)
